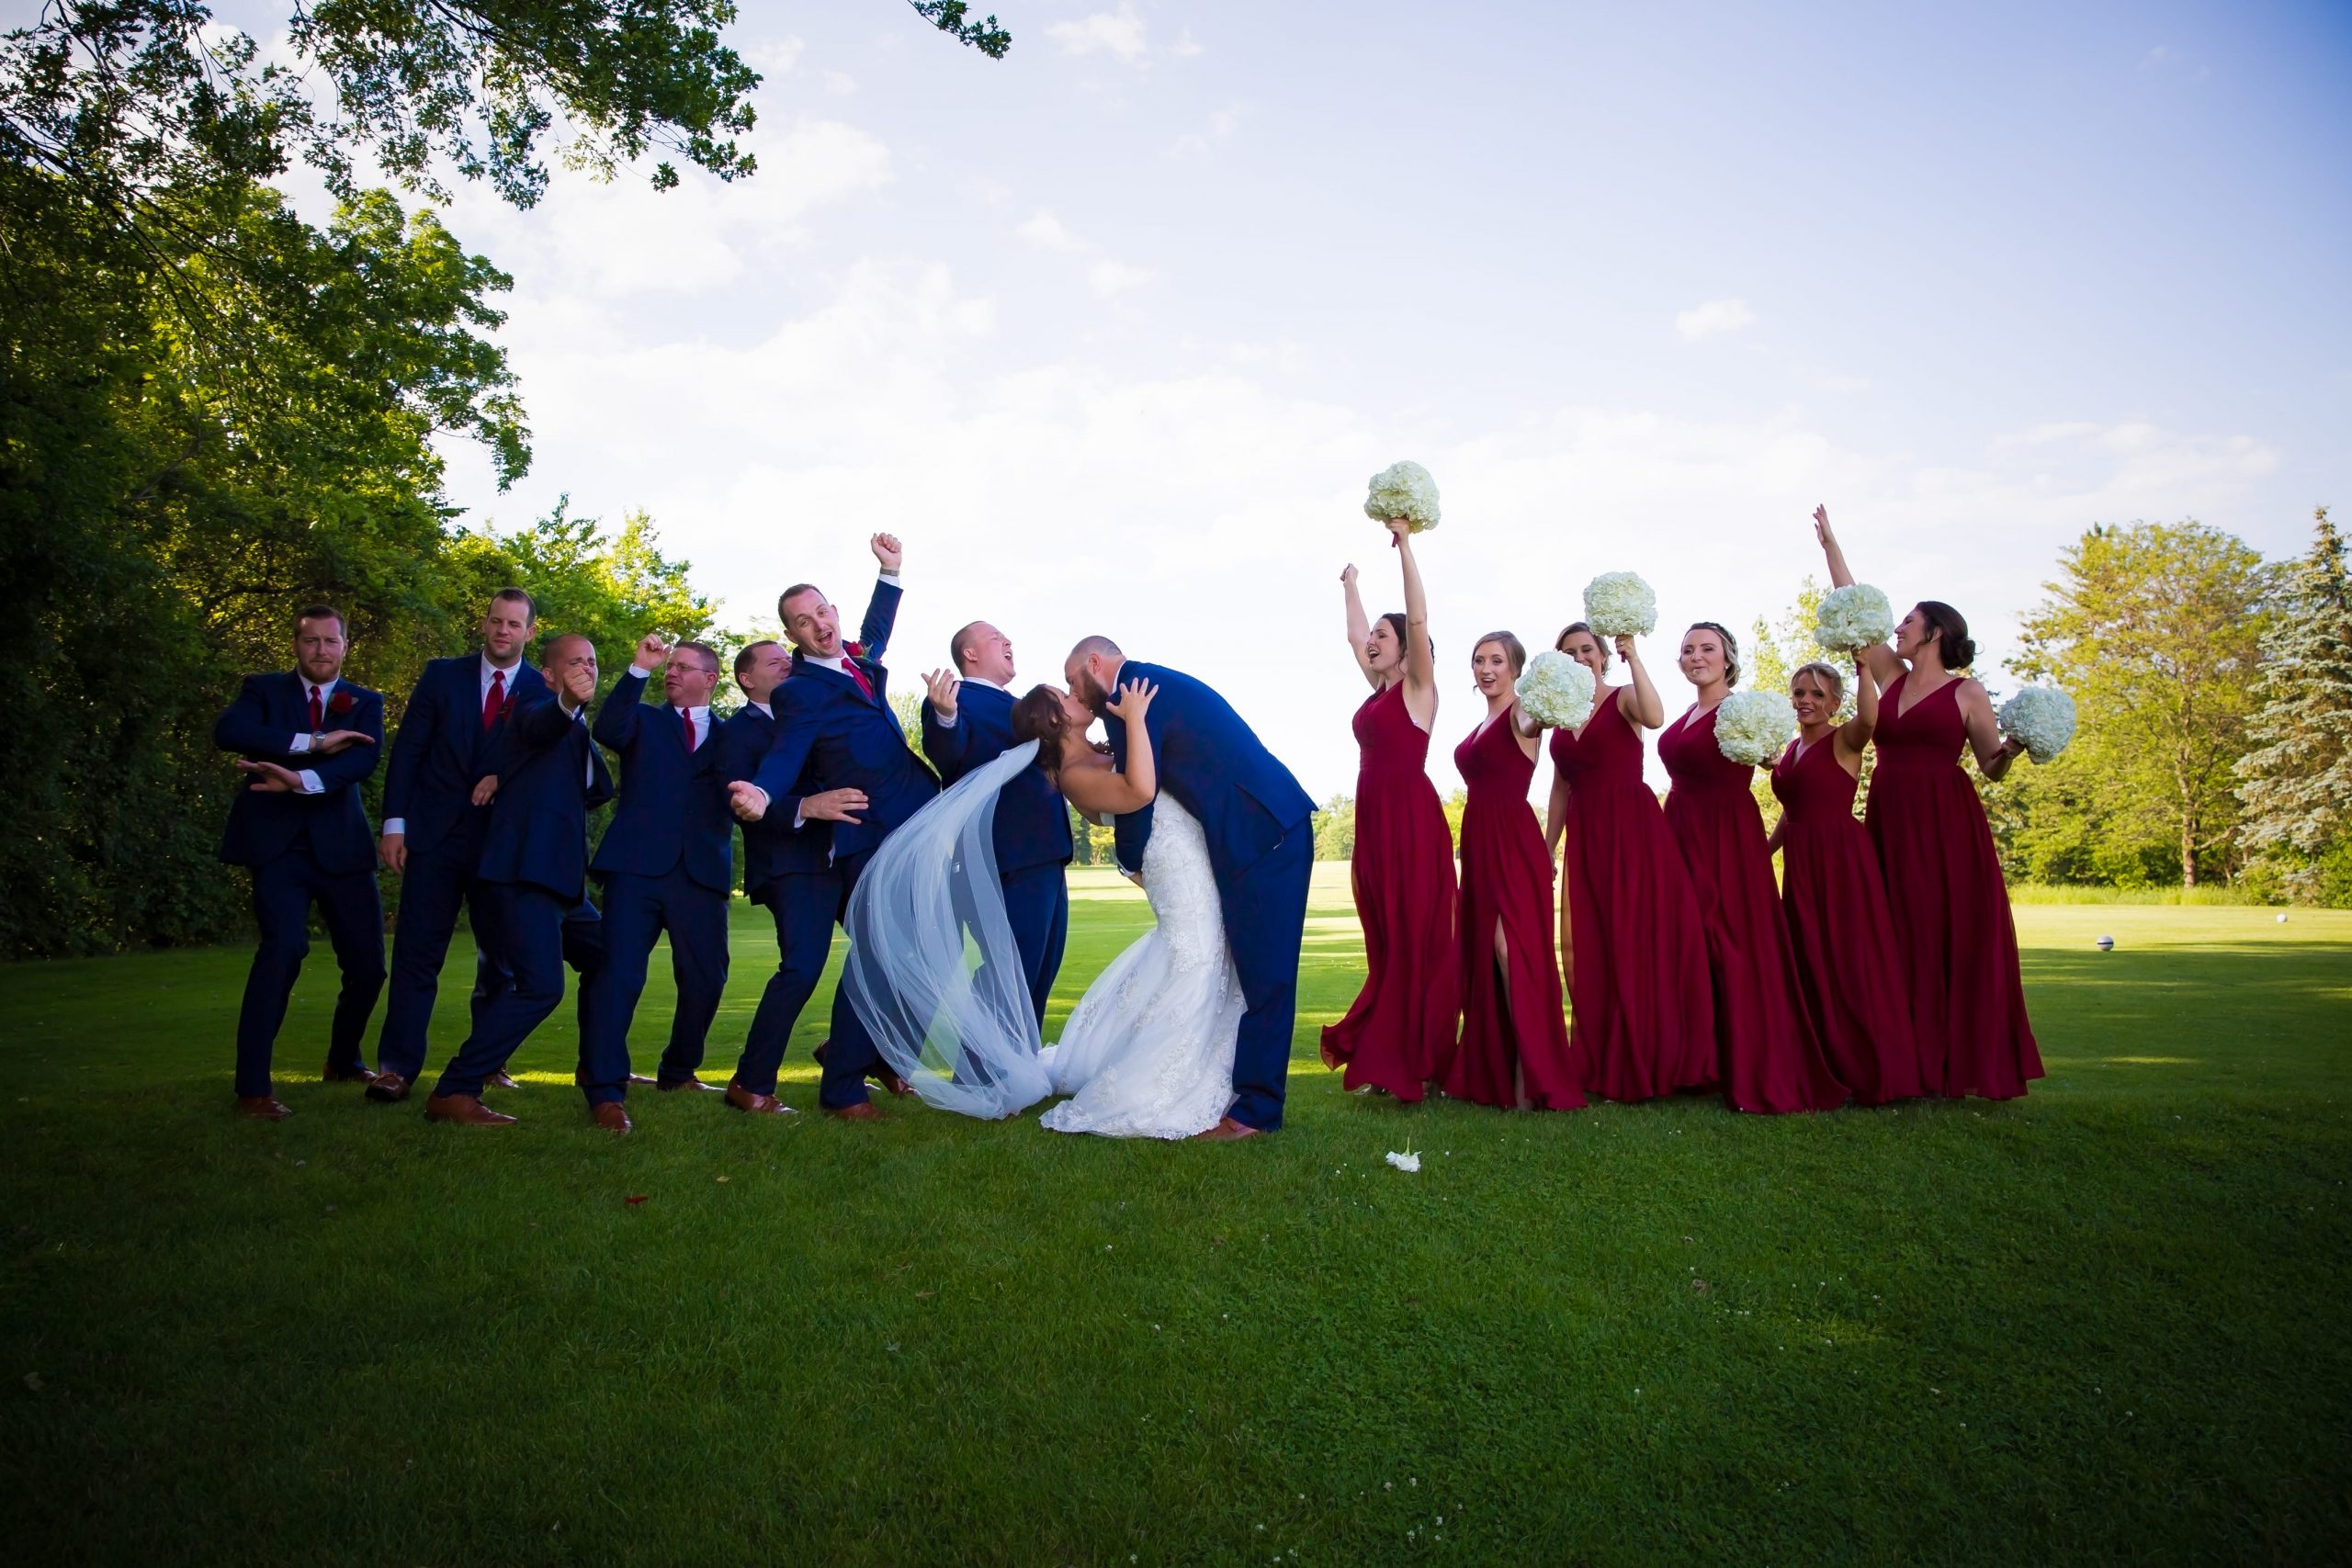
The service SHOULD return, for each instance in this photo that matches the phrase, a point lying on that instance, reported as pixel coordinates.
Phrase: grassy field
(2107, 1323)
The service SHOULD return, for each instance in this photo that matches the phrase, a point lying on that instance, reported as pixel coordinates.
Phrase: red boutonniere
(340, 703)
(853, 650)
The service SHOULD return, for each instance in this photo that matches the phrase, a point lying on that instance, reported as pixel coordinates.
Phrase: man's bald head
(1092, 670)
(983, 653)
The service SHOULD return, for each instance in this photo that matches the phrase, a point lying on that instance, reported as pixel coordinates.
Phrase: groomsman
(433, 828)
(309, 738)
(534, 872)
(833, 719)
(666, 862)
(968, 723)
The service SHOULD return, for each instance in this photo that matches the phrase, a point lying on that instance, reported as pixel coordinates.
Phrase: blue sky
(1114, 330)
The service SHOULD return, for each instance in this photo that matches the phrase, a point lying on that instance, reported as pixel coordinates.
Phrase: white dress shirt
(324, 692)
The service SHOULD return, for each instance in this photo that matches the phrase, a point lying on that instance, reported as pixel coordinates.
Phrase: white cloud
(1107, 277)
(1046, 232)
(774, 57)
(840, 84)
(1715, 316)
(1186, 46)
(1219, 129)
(1120, 33)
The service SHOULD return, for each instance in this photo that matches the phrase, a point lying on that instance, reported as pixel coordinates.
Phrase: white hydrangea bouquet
(1851, 617)
(1753, 726)
(1403, 490)
(1557, 691)
(2042, 718)
(1619, 604)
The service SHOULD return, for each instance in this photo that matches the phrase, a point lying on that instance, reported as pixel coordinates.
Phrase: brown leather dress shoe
(389, 1089)
(610, 1116)
(501, 1080)
(360, 1073)
(863, 1111)
(1227, 1131)
(758, 1104)
(890, 1080)
(464, 1109)
(261, 1107)
(689, 1086)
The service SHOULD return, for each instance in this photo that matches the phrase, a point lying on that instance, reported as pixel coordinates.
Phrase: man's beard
(1091, 693)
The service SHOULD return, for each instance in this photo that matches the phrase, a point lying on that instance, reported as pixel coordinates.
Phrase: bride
(1148, 1053)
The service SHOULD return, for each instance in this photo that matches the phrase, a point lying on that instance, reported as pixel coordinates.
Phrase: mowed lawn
(2107, 1323)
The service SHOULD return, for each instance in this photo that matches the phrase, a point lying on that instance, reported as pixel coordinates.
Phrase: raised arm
(1884, 664)
(1647, 708)
(882, 608)
(1097, 791)
(1420, 669)
(1855, 733)
(1359, 624)
(1993, 752)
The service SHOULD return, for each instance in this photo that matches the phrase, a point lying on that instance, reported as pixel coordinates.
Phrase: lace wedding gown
(935, 978)
(1148, 1052)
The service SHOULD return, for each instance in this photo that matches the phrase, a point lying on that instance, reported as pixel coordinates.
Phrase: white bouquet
(2040, 717)
(1403, 490)
(1851, 617)
(1752, 726)
(1557, 691)
(1619, 604)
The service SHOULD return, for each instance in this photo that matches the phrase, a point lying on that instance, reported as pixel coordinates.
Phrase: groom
(1262, 851)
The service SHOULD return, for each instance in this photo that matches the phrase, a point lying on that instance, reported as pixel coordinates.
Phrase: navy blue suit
(441, 752)
(533, 869)
(1030, 835)
(305, 848)
(1256, 820)
(667, 864)
(829, 735)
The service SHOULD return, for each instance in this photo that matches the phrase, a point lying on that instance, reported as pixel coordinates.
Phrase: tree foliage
(2155, 629)
(2295, 783)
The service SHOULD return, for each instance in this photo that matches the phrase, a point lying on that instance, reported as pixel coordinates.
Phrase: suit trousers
(435, 884)
(1036, 904)
(1265, 924)
(637, 911)
(804, 905)
(353, 912)
(542, 932)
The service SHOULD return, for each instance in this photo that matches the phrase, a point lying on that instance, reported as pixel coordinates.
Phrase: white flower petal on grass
(1857, 615)
(1752, 726)
(1406, 1163)
(1403, 490)
(1619, 604)
(2042, 718)
(1557, 691)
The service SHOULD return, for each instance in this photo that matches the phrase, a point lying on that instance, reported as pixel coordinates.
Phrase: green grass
(2105, 1323)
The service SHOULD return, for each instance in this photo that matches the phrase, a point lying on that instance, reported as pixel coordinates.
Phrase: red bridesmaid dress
(1506, 881)
(1957, 947)
(1398, 1036)
(1840, 929)
(1642, 1017)
(1771, 1059)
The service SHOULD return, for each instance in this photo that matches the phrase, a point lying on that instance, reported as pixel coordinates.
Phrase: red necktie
(687, 717)
(316, 715)
(858, 675)
(495, 701)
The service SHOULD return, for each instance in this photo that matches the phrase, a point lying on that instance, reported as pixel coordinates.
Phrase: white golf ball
(2107, 945)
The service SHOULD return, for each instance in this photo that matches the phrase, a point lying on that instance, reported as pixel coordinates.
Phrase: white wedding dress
(1148, 1052)
(936, 978)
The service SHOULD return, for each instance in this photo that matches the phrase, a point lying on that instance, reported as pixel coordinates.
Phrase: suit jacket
(846, 741)
(550, 776)
(1215, 767)
(442, 751)
(1032, 825)
(270, 710)
(672, 801)
(772, 846)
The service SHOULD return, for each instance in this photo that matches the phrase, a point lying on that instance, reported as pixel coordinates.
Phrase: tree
(1334, 828)
(2296, 783)
(2154, 630)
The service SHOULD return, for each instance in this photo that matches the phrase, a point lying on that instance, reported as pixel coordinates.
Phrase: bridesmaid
(1400, 1034)
(1953, 936)
(1514, 1047)
(1771, 1060)
(1847, 967)
(1642, 1020)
